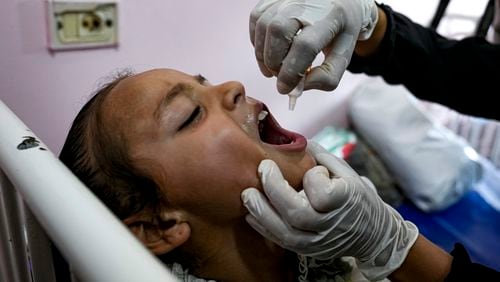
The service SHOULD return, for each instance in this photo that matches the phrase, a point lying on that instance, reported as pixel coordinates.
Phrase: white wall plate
(77, 25)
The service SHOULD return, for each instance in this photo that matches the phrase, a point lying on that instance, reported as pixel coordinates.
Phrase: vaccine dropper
(295, 93)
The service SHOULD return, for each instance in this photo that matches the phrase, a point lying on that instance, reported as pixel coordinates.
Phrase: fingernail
(265, 168)
(244, 196)
(322, 170)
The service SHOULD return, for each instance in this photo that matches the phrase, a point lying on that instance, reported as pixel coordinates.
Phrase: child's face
(199, 141)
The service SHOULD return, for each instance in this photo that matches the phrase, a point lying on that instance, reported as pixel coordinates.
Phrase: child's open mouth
(272, 133)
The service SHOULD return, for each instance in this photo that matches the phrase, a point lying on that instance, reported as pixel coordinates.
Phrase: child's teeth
(262, 115)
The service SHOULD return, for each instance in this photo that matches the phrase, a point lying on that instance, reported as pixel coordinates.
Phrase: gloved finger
(262, 216)
(279, 36)
(335, 165)
(288, 238)
(265, 220)
(255, 202)
(327, 76)
(260, 38)
(315, 148)
(264, 70)
(254, 16)
(369, 183)
(305, 47)
(324, 194)
(256, 13)
(293, 206)
(255, 224)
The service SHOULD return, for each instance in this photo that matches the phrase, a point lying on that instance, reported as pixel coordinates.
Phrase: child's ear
(160, 234)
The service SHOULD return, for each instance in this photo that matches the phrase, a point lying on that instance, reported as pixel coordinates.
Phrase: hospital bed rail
(97, 246)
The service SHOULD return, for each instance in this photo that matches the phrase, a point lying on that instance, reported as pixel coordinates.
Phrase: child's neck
(241, 254)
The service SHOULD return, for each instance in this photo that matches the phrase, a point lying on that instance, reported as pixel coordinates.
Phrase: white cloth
(433, 166)
(311, 270)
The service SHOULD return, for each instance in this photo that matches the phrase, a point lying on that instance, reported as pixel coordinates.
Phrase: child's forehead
(149, 82)
(131, 103)
(161, 75)
(147, 87)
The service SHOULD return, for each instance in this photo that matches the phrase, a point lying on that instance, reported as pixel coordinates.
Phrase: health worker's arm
(461, 74)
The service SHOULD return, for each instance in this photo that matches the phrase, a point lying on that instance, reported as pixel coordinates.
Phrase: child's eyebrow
(178, 89)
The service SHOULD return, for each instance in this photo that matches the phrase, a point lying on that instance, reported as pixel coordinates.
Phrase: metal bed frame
(40, 199)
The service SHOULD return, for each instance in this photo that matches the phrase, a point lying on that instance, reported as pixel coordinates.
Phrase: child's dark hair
(101, 161)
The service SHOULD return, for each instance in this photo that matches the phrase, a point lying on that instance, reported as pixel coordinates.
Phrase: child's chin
(306, 164)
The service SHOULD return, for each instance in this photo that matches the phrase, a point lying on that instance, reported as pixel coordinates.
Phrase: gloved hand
(332, 217)
(331, 26)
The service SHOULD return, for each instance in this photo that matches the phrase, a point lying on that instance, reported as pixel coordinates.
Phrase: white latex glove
(331, 26)
(332, 217)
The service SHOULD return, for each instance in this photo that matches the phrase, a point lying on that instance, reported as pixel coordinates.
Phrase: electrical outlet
(77, 25)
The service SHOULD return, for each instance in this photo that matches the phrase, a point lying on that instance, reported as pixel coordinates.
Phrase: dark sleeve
(463, 75)
(462, 269)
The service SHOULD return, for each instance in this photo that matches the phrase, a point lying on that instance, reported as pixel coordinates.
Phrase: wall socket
(77, 25)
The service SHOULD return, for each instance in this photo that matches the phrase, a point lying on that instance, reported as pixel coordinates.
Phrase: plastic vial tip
(295, 93)
(291, 102)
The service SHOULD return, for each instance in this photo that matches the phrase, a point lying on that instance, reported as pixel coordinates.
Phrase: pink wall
(210, 37)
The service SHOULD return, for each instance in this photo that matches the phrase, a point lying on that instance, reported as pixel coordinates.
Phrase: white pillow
(433, 166)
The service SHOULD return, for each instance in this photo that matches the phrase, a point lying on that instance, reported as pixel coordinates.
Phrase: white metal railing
(94, 242)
